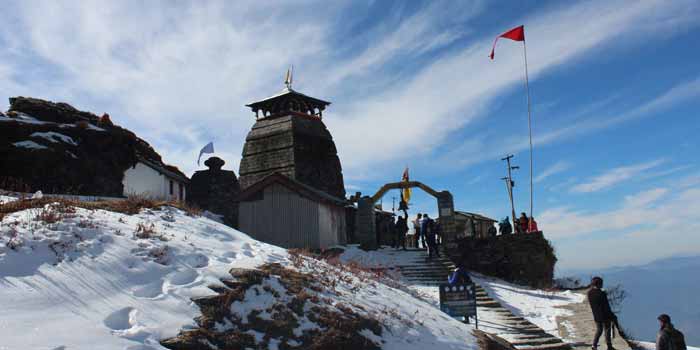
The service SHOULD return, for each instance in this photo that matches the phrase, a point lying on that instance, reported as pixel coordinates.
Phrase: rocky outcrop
(526, 259)
(56, 148)
(215, 190)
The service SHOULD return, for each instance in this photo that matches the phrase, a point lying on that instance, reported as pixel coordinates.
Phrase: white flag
(209, 148)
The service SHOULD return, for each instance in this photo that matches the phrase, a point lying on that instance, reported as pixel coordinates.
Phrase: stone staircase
(494, 319)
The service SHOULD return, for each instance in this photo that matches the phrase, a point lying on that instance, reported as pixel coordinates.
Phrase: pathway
(425, 274)
(579, 328)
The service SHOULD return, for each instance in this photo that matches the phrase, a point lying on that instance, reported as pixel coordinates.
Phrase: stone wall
(300, 147)
(526, 259)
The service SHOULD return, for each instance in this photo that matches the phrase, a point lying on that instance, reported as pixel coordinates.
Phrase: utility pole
(510, 184)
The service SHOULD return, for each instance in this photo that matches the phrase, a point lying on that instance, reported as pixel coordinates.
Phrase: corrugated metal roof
(474, 216)
(296, 186)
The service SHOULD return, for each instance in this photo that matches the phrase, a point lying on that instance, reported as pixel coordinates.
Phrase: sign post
(459, 300)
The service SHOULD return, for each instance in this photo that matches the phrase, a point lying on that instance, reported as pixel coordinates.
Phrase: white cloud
(651, 224)
(163, 69)
(553, 169)
(614, 176)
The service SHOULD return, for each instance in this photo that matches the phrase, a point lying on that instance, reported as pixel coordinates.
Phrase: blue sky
(615, 90)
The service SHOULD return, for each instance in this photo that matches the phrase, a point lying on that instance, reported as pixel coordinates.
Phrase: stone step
(425, 269)
(488, 304)
(537, 341)
(559, 346)
(532, 336)
(429, 272)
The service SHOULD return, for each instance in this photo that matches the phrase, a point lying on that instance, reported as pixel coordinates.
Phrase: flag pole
(529, 125)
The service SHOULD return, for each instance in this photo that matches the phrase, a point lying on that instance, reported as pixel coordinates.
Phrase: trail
(579, 328)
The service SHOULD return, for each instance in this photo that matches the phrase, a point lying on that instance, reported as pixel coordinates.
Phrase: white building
(154, 180)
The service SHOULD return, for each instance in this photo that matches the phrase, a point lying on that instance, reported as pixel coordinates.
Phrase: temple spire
(288, 79)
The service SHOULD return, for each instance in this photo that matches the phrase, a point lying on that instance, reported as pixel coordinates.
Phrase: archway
(365, 220)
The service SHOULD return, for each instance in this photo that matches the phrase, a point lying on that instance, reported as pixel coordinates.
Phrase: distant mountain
(668, 286)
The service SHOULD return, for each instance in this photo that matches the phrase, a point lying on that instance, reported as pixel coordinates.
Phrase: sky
(615, 88)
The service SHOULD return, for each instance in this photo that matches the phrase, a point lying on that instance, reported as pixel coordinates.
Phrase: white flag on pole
(209, 148)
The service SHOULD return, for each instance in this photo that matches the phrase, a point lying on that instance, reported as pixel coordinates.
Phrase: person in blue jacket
(459, 276)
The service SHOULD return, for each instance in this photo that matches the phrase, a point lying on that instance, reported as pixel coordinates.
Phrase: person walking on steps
(424, 230)
(669, 338)
(430, 237)
(400, 230)
(602, 313)
(416, 228)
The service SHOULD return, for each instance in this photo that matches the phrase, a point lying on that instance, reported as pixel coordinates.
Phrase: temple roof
(289, 100)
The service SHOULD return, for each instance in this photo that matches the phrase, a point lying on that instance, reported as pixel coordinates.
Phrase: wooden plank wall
(282, 218)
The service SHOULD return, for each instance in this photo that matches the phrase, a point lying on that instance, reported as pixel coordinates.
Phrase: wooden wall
(286, 219)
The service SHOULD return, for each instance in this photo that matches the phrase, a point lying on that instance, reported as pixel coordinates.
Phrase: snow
(652, 346)
(55, 137)
(22, 118)
(537, 306)
(29, 144)
(6, 199)
(27, 119)
(384, 257)
(87, 281)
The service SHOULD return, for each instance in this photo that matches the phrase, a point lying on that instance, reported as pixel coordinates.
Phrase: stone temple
(289, 138)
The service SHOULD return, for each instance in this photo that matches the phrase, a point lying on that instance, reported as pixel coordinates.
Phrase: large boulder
(56, 148)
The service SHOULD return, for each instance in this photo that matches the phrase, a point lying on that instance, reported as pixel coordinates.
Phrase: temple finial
(288, 80)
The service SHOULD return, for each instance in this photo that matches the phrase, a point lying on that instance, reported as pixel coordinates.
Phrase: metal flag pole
(529, 126)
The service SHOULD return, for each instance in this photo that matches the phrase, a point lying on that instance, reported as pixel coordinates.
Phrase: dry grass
(340, 325)
(131, 205)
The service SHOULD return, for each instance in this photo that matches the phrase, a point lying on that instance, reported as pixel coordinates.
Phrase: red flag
(517, 34)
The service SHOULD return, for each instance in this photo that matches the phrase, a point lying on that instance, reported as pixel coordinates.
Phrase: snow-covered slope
(95, 279)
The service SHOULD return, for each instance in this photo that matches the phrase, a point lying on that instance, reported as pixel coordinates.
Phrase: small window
(171, 188)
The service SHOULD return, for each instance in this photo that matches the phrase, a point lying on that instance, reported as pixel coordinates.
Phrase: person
(416, 228)
(522, 223)
(429, 233)
(602, 313)
(424, 230)
(669, 338)
(533, 226)
(505, 227)
(459, 276)
(400, 230)
(438, 232)
(472, 223)
(492, 231)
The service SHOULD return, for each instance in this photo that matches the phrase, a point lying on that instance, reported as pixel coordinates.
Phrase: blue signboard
(458, 300)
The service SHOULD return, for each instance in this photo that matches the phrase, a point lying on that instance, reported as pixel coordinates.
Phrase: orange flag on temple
(406, 192)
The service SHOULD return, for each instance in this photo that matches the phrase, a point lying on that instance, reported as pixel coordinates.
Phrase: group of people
(523, 224)
(428, 233)
(668, 337)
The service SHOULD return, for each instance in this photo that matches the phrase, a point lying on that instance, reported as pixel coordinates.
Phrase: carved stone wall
(215, 190)
(300, 147)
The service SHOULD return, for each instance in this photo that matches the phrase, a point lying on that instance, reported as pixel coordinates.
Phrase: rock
(215, 190)
(94, 165)
(50, 111)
